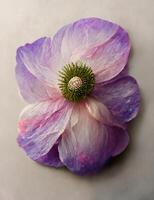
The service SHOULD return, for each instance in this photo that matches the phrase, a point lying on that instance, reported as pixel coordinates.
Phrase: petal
(51, 159)
(89, 144)
(31, 88)
(122, 97)
(37, 59)
(41, 125)
(109, 58)
(75, 40)
(99, 111)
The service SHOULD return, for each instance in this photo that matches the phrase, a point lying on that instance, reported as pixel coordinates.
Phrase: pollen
(75, 83)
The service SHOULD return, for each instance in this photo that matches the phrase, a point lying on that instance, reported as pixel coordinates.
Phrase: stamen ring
(76, 81)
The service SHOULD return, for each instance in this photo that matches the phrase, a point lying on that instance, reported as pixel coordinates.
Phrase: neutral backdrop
(128, 177)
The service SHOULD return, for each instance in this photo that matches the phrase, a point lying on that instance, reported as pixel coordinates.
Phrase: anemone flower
(80, 99)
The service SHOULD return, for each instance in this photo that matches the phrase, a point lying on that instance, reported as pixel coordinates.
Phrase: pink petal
(117, 132)
(99, 111)
(109, 59)
(41, 125)
(31, 88)
(89, 144)
(74, 40)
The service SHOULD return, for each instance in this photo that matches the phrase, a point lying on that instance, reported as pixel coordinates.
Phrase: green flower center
(76, 81)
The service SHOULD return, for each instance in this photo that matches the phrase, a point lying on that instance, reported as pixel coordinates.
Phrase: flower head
(80, 99)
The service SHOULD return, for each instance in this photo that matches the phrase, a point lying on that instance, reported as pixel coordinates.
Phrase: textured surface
(131, 175)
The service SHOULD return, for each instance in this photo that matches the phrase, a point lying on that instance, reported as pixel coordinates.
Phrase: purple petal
(36, 57)
(51, 159)
(122, 97)
(109, 58)
(75, 40)
(41, 125)
(31, 88)
(89, 144)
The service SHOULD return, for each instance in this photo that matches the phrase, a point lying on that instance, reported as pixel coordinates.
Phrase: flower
(79, 94)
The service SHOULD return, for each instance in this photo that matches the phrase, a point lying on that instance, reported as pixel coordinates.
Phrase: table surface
(131, 175)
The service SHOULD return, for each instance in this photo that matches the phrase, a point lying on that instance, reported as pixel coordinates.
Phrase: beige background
(130, 176)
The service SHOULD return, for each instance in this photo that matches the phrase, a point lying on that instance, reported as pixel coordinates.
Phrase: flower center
(76, 81)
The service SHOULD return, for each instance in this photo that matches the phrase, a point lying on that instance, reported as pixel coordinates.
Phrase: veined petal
(122, 97)
(51, 159)
(41, 125)
(86, 147)
(99, 111)
(36, 57)
(31, 88)
(109, 59)
(75, 40)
